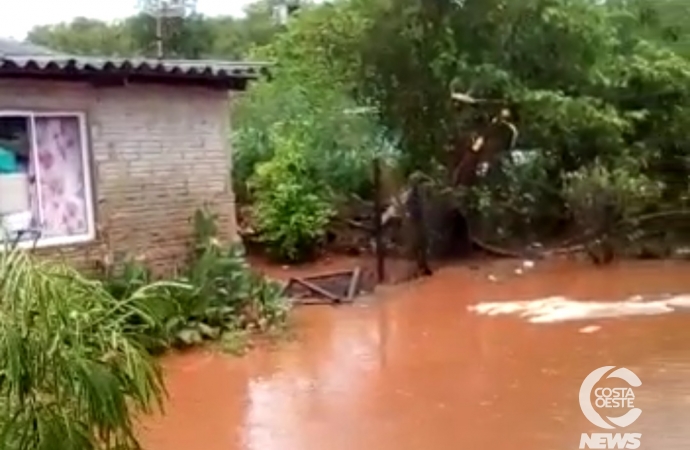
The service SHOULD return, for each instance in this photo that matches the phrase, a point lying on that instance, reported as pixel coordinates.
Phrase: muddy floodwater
(416, 368)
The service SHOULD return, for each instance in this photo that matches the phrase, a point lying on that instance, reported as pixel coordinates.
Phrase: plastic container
(14, 193)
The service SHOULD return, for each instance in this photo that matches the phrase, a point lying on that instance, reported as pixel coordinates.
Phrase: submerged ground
(415, 368)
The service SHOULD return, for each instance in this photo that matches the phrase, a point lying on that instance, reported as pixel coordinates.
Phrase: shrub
(227, 296)
(337, 143)
(599, 197)
(216, 295)
(292, 207)
(73, 369)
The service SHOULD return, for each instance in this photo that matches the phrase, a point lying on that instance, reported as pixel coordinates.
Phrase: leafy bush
(599, 197)
(338, 144)
(73, 369)
(227, 296)
(292, 205)
(217, 294)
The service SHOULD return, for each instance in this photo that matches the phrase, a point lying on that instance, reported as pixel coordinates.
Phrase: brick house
(113, 156)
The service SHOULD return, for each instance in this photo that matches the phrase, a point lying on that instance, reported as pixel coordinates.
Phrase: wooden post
(378, 227)
(419, 229)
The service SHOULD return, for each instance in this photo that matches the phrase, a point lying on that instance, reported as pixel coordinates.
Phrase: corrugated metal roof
(17, 58)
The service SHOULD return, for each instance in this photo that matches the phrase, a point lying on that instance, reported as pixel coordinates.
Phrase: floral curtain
(59, 171)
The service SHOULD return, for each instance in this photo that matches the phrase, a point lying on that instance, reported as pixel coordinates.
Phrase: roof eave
(234, 76)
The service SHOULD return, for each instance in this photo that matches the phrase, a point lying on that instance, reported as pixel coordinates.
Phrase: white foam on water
(589, 329)
(562, 309)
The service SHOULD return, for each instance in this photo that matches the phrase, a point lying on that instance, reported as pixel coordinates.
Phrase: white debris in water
(590, 329)
(528, 264)
(492, 278)
(519, 271)
(561, 309)
(679, 301)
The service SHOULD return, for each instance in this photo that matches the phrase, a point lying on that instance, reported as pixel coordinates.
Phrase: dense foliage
(599, 92)
(192, 37)
(589, 94)
(73, 367)
(291, 207)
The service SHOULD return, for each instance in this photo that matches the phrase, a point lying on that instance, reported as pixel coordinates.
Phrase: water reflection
(416, 370)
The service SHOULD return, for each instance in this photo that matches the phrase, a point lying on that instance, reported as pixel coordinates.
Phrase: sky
(20, 16)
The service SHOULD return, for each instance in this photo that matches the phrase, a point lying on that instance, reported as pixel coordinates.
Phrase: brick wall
(157, 154)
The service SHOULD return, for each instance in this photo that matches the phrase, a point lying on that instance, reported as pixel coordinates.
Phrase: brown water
(414, 369)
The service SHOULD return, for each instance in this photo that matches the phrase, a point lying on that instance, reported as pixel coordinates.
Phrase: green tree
(663, 21)
(190, 37)
(585, 86)
(194, 36)
(85, 37)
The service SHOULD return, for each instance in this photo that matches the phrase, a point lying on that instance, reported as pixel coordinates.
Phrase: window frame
(87, 167)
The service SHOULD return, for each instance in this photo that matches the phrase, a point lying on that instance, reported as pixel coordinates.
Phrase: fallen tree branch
(357, 225)
(501, 252)
(656, 215)
(576, 243)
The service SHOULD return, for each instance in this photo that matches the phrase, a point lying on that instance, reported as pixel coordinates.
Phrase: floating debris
(590, 329)
(333, 287)
(561, 309)
(683, 251)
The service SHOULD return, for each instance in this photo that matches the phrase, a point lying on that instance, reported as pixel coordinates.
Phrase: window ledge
(57, 241)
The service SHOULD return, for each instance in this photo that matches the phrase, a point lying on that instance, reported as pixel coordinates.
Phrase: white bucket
(16, 222)
(14, 193)
(15, 210)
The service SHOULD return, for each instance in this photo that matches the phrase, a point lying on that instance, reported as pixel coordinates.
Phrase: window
(45, 182)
